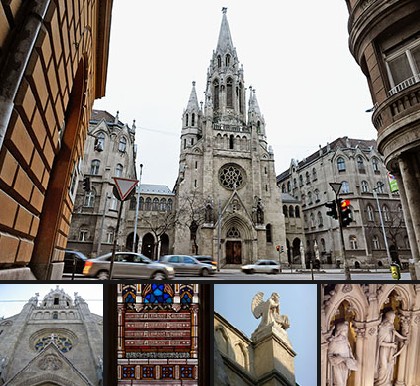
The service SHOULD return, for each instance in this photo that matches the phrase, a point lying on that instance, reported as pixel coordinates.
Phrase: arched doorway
(289, 252)
(233, 246)
(148, 246)
(164, 244)
(296, 250)
(129, 242)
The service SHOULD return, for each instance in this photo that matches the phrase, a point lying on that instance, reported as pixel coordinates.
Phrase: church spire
(224, 43)
(193, 101)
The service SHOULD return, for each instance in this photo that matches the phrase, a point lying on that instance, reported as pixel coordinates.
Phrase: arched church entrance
(148, 246)
(296, 250)
(164, 244)
(129, 242)
(233, 246)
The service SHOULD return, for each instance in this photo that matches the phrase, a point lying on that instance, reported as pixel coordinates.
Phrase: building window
(283, 188)
(308, 178)
(345, 188)
(305, 220)
(110, 235)
(375, 242)
(169, 207)
(192, 119)
(294, 183)
(288, 187)
(361, 165)
(148, 205)
(323, 247)
(370, 213)
(341, 165)
(314, 176)
(365, 187)
(291, 211)
(403, 67)
(83, 235)
(94, 167)
(317, 195)
(89, 200)
(216, 94)
(300, 180)
(229, 94)
(268, 233)
(312, 220)
(133, 202)
(227, 59)
(309, 198)
(163, 205)
(100, 141)
(231, 141)
(320, 220)
(386, 213)
(113, 205)
(380, 187)
(122, 144)
(186, 119)
(119, 170)
(375, 165)
(285, 212)
(353, 242)
(219, 61)
(303, 199)
(155, 204)
(297, 212)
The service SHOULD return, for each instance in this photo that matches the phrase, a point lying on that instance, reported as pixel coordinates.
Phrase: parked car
(127, 265)
(262, 266)
(188, 265)
(74, 257)
(206, 259)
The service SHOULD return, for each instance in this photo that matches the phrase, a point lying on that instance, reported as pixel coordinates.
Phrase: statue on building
(340, 355)
(387, 350)
(269, 311)
(209, 215)
(258, 211)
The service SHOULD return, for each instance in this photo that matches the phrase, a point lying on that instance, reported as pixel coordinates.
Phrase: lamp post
(137, 210)
(336, 187)
(375, 194)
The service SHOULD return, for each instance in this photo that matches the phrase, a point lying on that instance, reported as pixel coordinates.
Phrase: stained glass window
(158, 334)
(63, 343)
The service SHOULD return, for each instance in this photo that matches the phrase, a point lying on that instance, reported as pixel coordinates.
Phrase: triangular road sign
(124, 186)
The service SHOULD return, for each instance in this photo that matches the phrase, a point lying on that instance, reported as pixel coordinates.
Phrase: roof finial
(224, 9)
(193, 83)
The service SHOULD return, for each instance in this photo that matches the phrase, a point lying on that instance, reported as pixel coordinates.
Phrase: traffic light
(333, 209)
(86, 184)
(345, 212)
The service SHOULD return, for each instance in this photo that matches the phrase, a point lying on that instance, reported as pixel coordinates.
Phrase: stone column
(402, 359)
(273, 354)
(368, 357)
(360, 330)
(413, 351)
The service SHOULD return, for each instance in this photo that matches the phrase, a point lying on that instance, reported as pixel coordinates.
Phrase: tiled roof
(98, 115)
(155, 189)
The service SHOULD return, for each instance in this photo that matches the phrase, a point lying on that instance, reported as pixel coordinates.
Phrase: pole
(219, 233)
(115, 241)
(98, 251)
(135, 246)
(382, 226)
(343, 247)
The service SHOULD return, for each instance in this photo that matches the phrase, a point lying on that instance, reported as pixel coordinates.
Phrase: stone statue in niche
(340, 355)
(258, 211)
(269, 311)
(387, 350)
(209, 214)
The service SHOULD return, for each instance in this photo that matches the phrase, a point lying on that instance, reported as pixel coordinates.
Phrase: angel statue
(269, 311)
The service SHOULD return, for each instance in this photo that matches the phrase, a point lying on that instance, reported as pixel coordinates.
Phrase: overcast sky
(297, 301)
(14, 296)
(294, 54)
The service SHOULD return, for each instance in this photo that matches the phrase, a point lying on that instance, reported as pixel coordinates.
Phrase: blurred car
(262, 266)
(206, 259)
(188, 265)
(127, 265)
(74, 257)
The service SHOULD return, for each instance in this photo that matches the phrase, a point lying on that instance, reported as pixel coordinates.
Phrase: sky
(14, 296)
(297, 301)
(294, 54)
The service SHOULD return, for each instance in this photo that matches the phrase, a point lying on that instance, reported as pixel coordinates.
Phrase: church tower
(227, 198)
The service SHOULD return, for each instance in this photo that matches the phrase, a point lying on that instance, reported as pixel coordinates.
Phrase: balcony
(405, 84)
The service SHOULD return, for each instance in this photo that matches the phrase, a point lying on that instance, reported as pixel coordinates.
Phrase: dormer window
(56, 301)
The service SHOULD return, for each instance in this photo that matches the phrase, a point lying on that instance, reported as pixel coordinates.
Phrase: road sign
(124, 186)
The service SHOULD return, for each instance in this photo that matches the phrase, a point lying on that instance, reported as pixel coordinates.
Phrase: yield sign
(124, 186)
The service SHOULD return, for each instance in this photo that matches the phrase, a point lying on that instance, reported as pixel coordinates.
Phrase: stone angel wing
(257, 304)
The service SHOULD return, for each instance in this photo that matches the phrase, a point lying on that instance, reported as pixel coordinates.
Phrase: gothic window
(365, 187)
(89, 200)
(312, 216)
(309, 198)
(323, 247)
(192, 119)
(113, 205)
(119, 170)
(219, 61)
(94, 167)
(148, 205)
(380, 187)
(345, 188)
(83, 234)
(229, 94)
(303, 199)
(403, 66)
(158, 327)
(216, 94)
(370, 213)
(305, 220)
(233, 233)
(297, 212)
(283, 188)
(386, 213)
(375, 165)
(122, 144)
(231, 141)
(375, 242)
(155, 204)
(300, 180)
(186, 119)
(163, 204)
(314, 175)
(294, 183)
(353, 242)
(100, 141)
(110, 235)
(360, 165)
(55, 315)
(341, 165)
(268, 235)
(227, 60)
(316, 195)
(240, 97)
(285, 212)
(231, 176)
(141, 203)
(62, 342)
(192, 141)
(133, 203)
(169, 208)
(320, 220)
(288, 187)
(308, 178)
(291, 211)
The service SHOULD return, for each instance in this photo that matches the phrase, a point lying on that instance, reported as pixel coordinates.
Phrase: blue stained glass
(158, 294)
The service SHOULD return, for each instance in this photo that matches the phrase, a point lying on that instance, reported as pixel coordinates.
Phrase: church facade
(226, 194)
(55, 341)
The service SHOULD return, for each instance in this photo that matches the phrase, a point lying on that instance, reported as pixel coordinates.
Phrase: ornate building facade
(370, 334)
(109, 152)
(358, 165)
(53, 341)
(384, 40)
(53, 64)
(228, 167)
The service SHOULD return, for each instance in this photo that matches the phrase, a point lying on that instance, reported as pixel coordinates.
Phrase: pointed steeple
(224, 43)
(255, 117)
(193, 101)
(253, 103)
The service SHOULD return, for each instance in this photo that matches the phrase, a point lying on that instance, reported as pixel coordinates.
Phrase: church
(227, 167)
(53, 341)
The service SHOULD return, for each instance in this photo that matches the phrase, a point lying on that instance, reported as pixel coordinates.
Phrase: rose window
(63, 343)
(231, 177)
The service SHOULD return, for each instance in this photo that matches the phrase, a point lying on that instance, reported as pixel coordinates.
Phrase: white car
(262, 266)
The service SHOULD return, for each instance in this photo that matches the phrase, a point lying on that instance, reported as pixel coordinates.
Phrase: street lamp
(336, 187)
(137, 210)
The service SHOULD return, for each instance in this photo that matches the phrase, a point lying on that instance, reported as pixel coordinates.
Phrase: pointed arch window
(300, 180)
(320, 220)
(163, 204)
(119, 170)
(169, 207)
(285, 212)
(227, 60)
(353, 242)
(297, 212)
(341, 164)
(240, 97)
(229, 93)
(308, 178)
(122, 144)
(314, 175)
(291, 211)
(148, 205)
(380, 187)
(361, 165)
(375, 165)
(141, 204)
(94, 167)
(386, 213)
(365, 187)
(100, 141)
(268, 234)
(375, 242)
(89, 200)
(345, 187)
(370, 213)
(233, 233)
(192, 119)
(231, 137)
(155, 204)
(216, 94)
(186, 119)
(219, 61)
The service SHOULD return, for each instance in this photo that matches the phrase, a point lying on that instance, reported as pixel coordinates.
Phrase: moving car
(74, 257)
(206, 259)
(127, 265)
(262, 266)
(187, 265)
